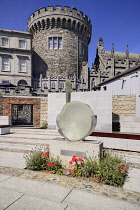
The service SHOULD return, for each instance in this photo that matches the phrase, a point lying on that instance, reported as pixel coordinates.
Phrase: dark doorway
(22, 114)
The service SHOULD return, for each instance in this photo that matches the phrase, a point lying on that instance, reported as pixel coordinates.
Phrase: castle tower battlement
(60, 39)
(60, 18)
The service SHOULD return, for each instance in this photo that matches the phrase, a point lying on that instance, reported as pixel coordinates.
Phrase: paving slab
(3, 177)
(44, 190)
(12, 159)
(133, 180)
(35, 203)
(83, 200)
(7, 197)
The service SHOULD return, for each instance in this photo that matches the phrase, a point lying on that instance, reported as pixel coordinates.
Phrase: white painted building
(126, 83)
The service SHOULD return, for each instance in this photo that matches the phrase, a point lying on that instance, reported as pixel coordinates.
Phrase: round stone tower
(60, 39)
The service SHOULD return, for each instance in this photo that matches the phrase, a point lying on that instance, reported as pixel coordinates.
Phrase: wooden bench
(4, 129)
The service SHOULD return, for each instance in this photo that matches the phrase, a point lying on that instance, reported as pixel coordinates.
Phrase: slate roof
(122, 56)
(121, 74)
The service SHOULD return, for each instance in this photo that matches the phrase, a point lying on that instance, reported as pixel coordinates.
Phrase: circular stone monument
(76, 121)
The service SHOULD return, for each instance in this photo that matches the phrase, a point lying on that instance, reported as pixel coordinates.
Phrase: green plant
(41, 160)
(17, 89)
(110, 170)
(76, 165)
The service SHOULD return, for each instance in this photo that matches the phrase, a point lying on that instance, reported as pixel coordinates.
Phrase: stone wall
(122, 105)
(44, 112)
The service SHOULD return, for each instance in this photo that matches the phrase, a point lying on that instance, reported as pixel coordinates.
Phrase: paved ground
(23, 189)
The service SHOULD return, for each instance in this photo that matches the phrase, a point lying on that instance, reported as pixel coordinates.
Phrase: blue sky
(116, 21)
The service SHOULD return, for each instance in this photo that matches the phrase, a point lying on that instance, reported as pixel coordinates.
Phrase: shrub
(110, 170)
(39, 160)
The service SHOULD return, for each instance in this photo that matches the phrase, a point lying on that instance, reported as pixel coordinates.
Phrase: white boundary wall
(99, 101)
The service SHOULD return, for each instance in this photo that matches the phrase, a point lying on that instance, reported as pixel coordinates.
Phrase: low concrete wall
(5, 120)
(118, 143)
(99, 101)
(130, 124)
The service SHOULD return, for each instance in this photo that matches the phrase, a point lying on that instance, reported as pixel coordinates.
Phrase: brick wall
(7, 107)
(1, 105)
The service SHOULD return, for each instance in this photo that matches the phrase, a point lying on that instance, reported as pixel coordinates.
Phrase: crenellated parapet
(58, 17)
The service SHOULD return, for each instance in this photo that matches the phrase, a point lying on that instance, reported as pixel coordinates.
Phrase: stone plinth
(65, 149)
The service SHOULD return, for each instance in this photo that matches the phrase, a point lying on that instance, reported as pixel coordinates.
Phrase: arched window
(69, 24)
(58, 22)
(73, 25)
(61, 85)
(93, 82)
(53, 22)
(21, 84)
(64, 23)
(43, 24)
(48, 22)
(53, 85)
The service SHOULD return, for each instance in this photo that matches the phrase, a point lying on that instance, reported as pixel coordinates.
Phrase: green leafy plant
(110, 170)
(41, 160)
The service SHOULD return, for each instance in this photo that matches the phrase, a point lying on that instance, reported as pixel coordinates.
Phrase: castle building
(55, 48)
(108, 64)
(60, 39)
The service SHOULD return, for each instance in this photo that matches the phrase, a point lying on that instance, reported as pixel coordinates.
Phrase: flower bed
(111, 169)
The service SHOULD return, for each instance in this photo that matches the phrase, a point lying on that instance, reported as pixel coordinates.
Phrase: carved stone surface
(76, 121)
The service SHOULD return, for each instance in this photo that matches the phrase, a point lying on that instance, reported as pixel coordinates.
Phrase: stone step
(27, 147)
(29, 136)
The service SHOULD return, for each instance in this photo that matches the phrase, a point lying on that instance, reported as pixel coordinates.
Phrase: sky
(116, 21)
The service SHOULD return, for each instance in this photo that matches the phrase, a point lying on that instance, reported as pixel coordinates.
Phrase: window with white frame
(5, 42)
(22, 65)
(5, 64)
(22, 44)
(55, 42)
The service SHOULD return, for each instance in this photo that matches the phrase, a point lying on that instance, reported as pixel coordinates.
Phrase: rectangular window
(59, 42)
(5, 64)
(50, 43)
(22, 44)
(5, 42)
(22, 65)
(55, 42)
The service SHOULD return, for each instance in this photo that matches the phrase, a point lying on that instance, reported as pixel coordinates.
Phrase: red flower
(46, 153)
(74, 158)
(49, 164)
(96, 179)
(123, 168)
(70, 162)
(74, 170)
(79, 159)
(55, 163)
